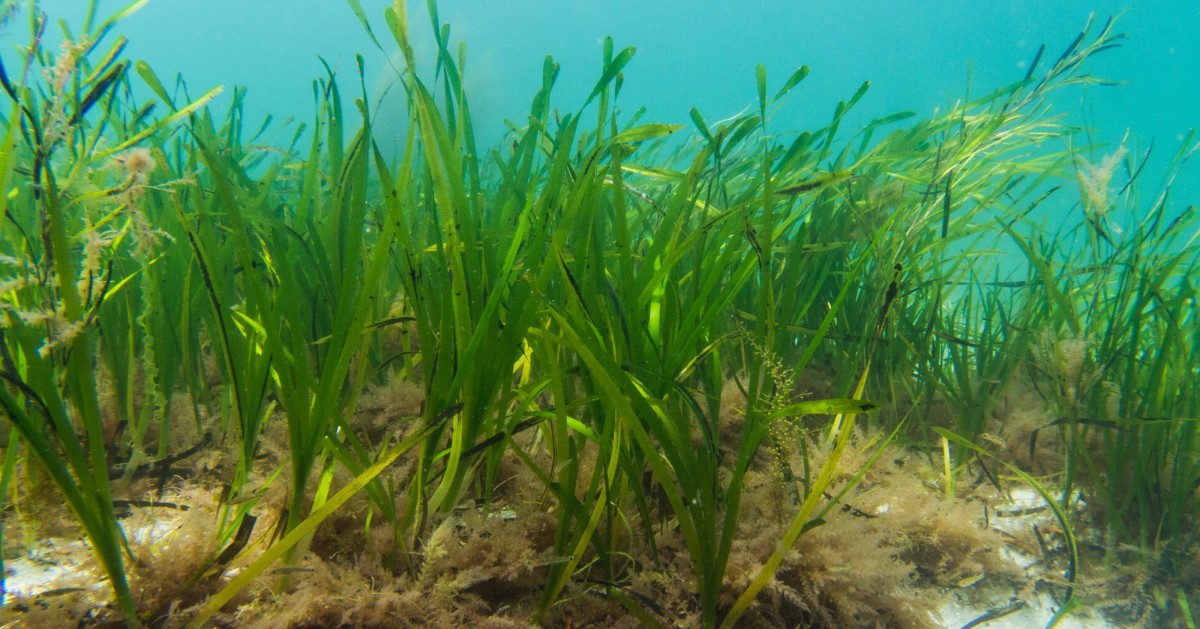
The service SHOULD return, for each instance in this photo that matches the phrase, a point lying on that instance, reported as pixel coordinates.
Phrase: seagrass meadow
(610, 372)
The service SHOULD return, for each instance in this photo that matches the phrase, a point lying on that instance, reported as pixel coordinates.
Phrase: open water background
(919, 56)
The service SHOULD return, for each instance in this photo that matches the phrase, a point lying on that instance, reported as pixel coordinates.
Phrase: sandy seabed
(900, 551)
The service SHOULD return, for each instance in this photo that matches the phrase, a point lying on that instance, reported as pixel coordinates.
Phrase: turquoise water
(695, 53)
(702, 53)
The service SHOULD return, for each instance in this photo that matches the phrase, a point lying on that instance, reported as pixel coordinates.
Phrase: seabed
(899, 552)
